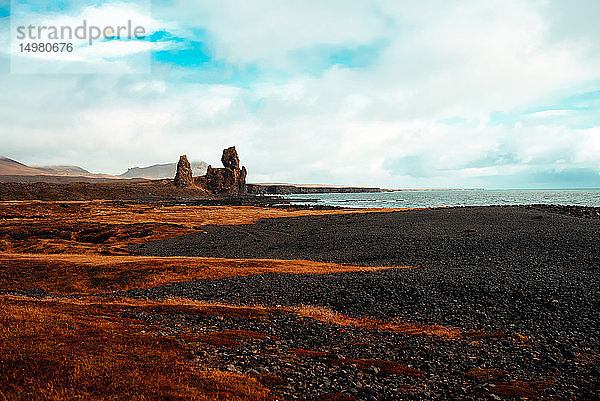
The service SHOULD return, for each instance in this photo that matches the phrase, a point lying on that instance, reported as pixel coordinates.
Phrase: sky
(388, 93)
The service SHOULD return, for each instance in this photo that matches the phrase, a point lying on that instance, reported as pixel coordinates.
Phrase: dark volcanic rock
(228, 180)
(224, 180)
(183, 178)
(287, 189)
(501, 261)
(525, 278)
(485, 267)
(480, 236)
(230, 159)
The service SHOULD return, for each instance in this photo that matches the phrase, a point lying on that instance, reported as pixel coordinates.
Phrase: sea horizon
(427, 198)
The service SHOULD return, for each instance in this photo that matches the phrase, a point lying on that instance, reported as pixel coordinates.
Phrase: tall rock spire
(183, 177)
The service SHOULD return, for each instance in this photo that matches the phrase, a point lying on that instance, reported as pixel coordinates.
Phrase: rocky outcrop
(231, 179)
(230, 159)
(183, 177)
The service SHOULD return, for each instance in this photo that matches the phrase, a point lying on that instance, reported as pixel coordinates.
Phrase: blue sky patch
(39, 6)
(317, 59)
(164, 36)
(356, 57)
(191, 54)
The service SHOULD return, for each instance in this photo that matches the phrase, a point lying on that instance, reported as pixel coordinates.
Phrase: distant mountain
(10, 167)
(161, 171)
(60, 170)
(13, 167)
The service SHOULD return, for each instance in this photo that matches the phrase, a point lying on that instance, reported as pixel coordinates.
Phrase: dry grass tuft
(88, 274)
(54, 351)
(327, 315)
(270, 380)
(114, 308)
(382, 367)
(485, 374)
(312, 354)
(484, 335)
(520, 389)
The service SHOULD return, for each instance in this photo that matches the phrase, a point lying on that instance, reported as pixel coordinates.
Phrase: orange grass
(86, 349)
(80, 247)
(269, 380)
(414, 329)
(107, 227)
(312, 354)
(384, 367)
(520, 389)
(114, 308)
(92, 348)
(85, 274)
(485, 374)
(484, 335)
(51, 351)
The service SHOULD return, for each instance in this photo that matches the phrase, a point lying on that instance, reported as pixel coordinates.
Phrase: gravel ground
(523, 271)
(305, 359)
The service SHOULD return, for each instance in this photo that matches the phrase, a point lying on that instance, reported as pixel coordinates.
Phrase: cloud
(84, 27)
(550, 113)
(267, 31)
(395, 94)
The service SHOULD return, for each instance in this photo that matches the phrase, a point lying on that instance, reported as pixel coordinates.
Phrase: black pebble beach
(527, 271)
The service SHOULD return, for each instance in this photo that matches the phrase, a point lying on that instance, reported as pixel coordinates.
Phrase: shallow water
(455, 197)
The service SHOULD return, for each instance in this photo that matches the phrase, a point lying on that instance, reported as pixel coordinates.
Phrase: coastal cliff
(288, 189)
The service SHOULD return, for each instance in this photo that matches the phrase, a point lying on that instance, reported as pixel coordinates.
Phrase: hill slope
(11, 170)
(62, 170)
(13, 167)
(161, 171)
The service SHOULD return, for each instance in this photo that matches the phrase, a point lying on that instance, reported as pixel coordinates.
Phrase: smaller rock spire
(183, 178)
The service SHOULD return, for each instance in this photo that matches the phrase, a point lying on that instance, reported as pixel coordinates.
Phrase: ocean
(453, 197)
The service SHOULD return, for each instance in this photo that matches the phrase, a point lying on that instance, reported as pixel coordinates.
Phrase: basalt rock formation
(231, 179)
(230, 158)
(183, 177)
(228, 180)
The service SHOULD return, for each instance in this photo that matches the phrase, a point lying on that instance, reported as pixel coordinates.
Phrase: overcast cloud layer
(495, 94)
